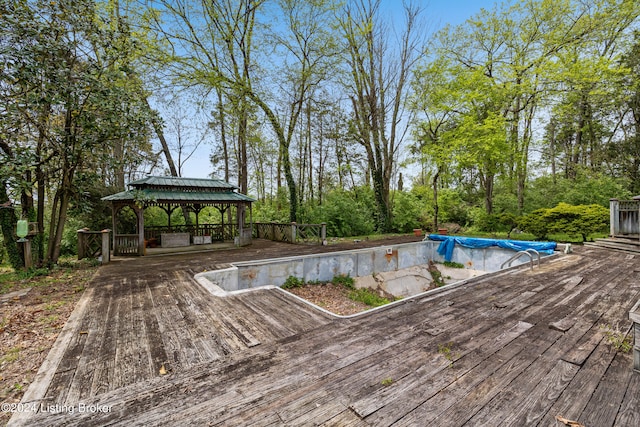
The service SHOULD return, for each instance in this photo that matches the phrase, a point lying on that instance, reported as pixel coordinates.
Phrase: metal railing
(528, 252)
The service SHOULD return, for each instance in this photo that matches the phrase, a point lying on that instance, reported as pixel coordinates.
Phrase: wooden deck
(513, 348)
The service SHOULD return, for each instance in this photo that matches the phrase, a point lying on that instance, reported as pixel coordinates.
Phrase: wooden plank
(572, 402)
(345, 418)
(485, 389)
(469, 373)
(605, 403)
(629, 413)
(532, 410)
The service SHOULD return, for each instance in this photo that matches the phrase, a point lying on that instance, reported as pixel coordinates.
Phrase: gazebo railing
(126, 244)
(218, 232)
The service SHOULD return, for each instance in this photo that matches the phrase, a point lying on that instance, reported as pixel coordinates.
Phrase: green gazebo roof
(166, 189)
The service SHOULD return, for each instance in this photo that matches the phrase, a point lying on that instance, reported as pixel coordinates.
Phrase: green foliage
(582, 220)
(452, 207)
(343, 280)
(346, 213)
(407, 210)
(368, 297)
(272, 210)
(386, 382)
(586, 189)
(69, 242)
(453, 264)
(292, 282)
(617, 338)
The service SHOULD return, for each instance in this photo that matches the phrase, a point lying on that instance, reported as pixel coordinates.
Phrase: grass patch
(11, 355)
(368, 297)
(436, 275)
(447, 351)
(453, 264)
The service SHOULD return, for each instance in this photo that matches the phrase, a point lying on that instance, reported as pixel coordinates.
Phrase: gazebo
(171, 193)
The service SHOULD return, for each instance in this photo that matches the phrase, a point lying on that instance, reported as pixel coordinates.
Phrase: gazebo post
(140, 215)
(114, 223)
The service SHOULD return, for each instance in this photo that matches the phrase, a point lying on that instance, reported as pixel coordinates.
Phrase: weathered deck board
(263, 359)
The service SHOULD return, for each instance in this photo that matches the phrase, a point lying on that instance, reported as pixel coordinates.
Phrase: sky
(437, 14)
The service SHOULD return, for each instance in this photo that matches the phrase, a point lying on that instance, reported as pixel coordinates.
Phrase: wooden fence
(94, 244)
(291, 232)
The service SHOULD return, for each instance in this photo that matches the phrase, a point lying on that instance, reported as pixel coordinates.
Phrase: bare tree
(377, 88)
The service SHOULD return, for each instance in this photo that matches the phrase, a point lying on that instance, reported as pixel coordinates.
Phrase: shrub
(346, 281)
(406, 212)
(292, 282)
(580, 220)
(345, 214)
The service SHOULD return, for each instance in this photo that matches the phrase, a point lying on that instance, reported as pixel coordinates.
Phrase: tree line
(318, 108)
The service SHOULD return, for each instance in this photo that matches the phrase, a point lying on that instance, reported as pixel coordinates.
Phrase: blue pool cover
(448, 242)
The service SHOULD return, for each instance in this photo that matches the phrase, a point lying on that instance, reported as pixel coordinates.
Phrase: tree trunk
(8, 221)
(436, 207)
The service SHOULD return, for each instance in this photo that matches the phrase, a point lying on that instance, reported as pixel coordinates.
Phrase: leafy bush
(587, 188)
(292, 282)
(580, 220)
(276, 210)
(345, 214)
(346, 281)
(407, 211)
(69, 243)
(452, 207)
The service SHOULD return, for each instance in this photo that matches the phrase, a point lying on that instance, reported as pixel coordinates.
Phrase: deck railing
(291, 232)
(624, 217)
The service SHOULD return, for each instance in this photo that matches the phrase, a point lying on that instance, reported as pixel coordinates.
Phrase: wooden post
(614, 217)
(634, 315)
(106, 250)
(26, 251)
(114, 212)
(81, 244)
(323, 234)
(140, 216)
(294, 228)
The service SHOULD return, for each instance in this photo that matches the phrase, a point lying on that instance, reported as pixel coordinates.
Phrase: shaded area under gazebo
(171, 193)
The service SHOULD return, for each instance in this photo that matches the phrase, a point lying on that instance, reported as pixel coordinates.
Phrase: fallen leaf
(568, 422)
(163, 371)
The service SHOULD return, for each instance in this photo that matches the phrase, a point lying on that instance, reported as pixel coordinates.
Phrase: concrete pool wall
(356, 263)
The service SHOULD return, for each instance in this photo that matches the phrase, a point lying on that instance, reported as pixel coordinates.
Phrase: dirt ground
(334, 298)
(30, 324)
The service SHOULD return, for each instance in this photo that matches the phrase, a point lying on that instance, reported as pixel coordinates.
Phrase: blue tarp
(448, 242)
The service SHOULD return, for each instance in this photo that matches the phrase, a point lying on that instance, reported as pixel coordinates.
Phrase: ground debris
(568, 422)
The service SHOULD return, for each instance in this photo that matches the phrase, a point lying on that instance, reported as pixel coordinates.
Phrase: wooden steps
(619, 244)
